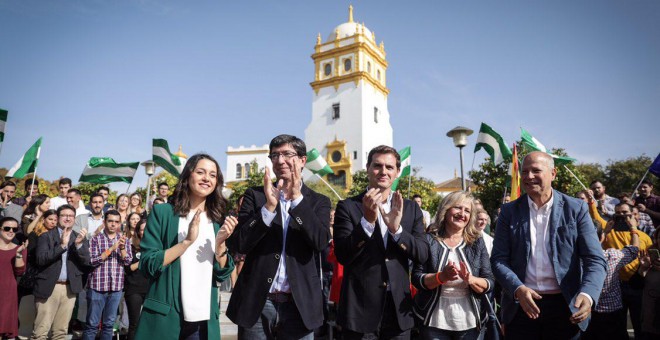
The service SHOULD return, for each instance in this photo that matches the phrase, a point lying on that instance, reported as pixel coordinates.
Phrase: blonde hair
(470, 232)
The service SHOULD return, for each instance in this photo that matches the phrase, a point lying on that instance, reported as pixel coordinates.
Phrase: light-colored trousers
(54, 313)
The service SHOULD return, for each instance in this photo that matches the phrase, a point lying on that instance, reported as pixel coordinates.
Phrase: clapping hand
(225, 231)
(449, 272)
(271, 192)
(81, 237)
(193, 228)
(464, 273)
(393, 218)
(370, 204)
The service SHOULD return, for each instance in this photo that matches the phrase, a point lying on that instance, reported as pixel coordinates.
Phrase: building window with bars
(335, 111)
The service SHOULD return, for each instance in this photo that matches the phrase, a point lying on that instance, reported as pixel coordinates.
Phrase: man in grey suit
(92, 222)
(63, 257)
(547, 258)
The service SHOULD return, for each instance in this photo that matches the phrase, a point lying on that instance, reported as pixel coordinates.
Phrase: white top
(57, 201)
(197, 269)
(489, 242)
(281, 281)
(540, 271)
(453, 311)
(93, 224)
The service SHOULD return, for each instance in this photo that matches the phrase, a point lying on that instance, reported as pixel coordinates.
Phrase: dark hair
(48, 213)
(595, 181)
(76, 191)
(622, 204)
(417, 196)
(8, 218)
(7, 184)
(64, 180)
(112, 212)
(158, 199)
(384, 149)
(34, 203)
(128, 219)
(96, 194)
(296, 143)
(163, 183)
(647, 182)
(28, 182)
(216, 204)
(65, 207)
(103, 188)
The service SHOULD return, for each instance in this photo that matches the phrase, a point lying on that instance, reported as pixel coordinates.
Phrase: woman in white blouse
(457, 273)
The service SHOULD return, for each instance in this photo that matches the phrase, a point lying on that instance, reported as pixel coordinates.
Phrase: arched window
(247, 170)
(347, 64)
(378, 74)
(368, 67)
(239, 170)
(327, 69)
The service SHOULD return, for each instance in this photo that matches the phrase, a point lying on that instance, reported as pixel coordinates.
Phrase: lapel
(524, 212)
(555, 218)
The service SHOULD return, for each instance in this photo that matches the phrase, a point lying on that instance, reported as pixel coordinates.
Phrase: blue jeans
(432, 333)
(278, 320)
(101, 307)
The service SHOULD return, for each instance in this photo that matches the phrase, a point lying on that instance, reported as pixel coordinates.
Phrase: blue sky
(102, 78)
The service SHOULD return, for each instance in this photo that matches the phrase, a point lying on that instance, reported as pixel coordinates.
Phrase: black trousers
(553, 322)
(607, 326)
(134, 305)
(388, 329)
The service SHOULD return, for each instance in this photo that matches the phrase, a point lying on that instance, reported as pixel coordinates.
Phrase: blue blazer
(575, 252)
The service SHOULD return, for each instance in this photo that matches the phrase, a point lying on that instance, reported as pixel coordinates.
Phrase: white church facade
(349, 105)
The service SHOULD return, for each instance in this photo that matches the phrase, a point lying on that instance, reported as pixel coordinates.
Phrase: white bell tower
(350, 97)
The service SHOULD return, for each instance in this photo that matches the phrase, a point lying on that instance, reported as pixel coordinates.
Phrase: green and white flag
(167, 160)
(535, 145)
(3, 121)
(103, 170)
(27, 164)
(316, 163)
(405, 166)
(494, 145)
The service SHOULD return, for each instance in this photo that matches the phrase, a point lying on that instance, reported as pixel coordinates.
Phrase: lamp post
(149, 169)
(459, 135)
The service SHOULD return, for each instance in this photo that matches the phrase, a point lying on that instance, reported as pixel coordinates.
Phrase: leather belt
(62, 282)
(280, 297)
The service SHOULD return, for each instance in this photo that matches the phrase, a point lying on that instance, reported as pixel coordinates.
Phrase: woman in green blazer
(184, 254)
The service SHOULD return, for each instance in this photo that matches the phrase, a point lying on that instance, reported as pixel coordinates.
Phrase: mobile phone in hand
(655, 254)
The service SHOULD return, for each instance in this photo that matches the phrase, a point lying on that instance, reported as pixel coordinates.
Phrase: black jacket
(475, 256)
(307, 235)
(369, 267)
(49, 260)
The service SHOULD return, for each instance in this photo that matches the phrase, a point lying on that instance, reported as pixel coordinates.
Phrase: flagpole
(34, 175)
(634, 193)
(409, 180)
(328, 184)
(579, 181)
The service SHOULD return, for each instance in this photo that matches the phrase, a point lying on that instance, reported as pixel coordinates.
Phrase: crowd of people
(377, 266)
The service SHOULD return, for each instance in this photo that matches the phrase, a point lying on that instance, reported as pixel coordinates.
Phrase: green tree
(624, 175)
(590, 172)
(418, 186)
(255, 179)
(87, 189)
(323, 189)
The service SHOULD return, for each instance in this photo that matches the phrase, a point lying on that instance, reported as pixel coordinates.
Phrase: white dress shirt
(540, 271)
(369, 228)
(281, 282)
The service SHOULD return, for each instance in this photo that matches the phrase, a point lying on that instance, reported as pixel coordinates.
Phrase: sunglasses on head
(13, 229)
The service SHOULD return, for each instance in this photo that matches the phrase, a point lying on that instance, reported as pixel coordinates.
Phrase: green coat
(161, 316)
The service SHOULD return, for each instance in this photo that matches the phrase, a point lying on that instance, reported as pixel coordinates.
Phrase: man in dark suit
(547, 258)
(63, 257)
(376, 234)
(282, 228)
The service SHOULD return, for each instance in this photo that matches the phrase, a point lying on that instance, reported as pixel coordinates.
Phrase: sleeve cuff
(368, 227)
(396, 236)
(297, 201)
(267, 216)
(588, 297)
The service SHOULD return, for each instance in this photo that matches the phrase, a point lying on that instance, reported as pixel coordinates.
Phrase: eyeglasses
(67, 215)
(12, 229)
(287, 155)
